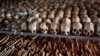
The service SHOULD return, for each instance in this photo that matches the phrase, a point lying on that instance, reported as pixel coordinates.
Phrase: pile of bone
(16, 45)
(51, 16)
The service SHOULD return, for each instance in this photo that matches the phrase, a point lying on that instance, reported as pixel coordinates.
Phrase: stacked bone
(51, 16)
(27, 46)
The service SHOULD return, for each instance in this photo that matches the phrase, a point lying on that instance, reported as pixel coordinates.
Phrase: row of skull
(66, 19)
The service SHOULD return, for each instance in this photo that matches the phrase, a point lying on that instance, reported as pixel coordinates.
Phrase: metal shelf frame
(50, 35)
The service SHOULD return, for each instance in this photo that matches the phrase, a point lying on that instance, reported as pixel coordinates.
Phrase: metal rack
(50, 35)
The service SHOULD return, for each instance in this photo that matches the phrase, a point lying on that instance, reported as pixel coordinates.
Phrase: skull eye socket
(74, 30)
(80, 30)
(86, 31)
(91, 31)
(56, 29)
(41, 29)
(51, 29)
(68, 32)
(63, 32)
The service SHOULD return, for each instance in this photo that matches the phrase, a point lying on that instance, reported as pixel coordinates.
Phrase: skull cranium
(75, 18)
(44, 27)
(88, 28)
(33, 26)
(65, 26)
(76, 28)
(85, 19)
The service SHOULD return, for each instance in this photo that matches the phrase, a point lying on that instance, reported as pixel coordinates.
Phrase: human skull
(54, 28)
(2, 15)
(75, 18)
(83, 12)
(98, 29)
(24, 26)
(16, 17)
(51, 14)
(94, 18)
(33, 26)
(44, 27)
(76, 28)
(44, 14)
(8, 15)
(88, 28)
(85, 19)
(66, 26)
(68, 11)
(60, 14)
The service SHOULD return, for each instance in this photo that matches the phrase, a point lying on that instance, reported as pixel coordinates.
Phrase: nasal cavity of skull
(77, 32)
(85, 31)
(88, 33)
(34, 31)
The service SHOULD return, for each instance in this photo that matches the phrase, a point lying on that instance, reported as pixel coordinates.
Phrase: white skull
(48, 21)
(24, 26)
(30, 19)
(94, 18)
(85, 19)
(68, 12)
(55, 25)
(8, 15)
(33, 27)
(44, 14)
(98, 29)
(51, 14)
(2, 15)
(76, 28)
(83, 12)
(36, 15)
(75, 18)
(63, 6)
(65, 26)
(75, 12)
(60, 14)
(88, 28)
(39, 20)
(44, 27)
(16, 16)
(54, 28)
